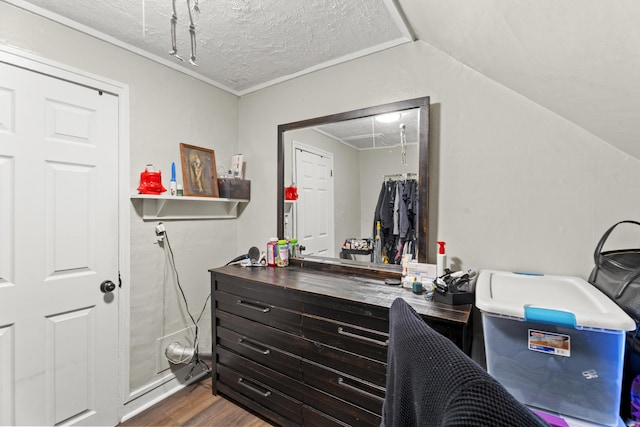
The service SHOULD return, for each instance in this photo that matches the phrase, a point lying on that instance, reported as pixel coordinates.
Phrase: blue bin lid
(562, 300)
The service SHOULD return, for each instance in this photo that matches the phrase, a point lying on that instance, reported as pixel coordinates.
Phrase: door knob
(107, 286)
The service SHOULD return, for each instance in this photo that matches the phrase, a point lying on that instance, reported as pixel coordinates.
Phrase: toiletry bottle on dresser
(441, 260)
(272, 245)
(282, 253)
(377, 248)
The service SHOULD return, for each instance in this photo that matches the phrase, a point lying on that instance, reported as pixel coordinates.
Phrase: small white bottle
(441, 260)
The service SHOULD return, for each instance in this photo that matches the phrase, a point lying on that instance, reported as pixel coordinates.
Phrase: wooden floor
(196, 406)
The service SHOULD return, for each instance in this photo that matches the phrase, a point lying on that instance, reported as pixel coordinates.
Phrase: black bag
(617, 274)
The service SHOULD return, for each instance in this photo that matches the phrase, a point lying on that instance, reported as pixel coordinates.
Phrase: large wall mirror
(344, 167)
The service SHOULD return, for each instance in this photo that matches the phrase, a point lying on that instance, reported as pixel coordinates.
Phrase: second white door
(314, 212)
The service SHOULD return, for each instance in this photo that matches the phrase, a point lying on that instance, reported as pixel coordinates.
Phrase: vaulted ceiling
(578, 58)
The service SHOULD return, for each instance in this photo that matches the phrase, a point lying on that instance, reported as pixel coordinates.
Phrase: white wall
(166, 108)
(513, 185)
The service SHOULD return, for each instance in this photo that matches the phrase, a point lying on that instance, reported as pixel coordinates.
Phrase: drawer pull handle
(253, 346)
(253, 306)
(341, 331)
(343, 383)
(253, 388)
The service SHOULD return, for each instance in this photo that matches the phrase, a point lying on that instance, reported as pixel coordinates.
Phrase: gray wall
(166, 108)
(513, 186)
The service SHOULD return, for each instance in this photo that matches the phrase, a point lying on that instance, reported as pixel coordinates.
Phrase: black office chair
(431, 382)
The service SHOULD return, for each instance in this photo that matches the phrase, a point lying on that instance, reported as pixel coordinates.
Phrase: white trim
(26, 60)
(46, 66)
(327, 64)
(143, 398)
(310, 148)
(398, 17)
(297, 145)
(393, 10)
(124, 245)
(109, 39)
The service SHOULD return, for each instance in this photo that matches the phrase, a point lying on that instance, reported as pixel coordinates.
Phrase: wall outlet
(184, 337)
(160, 229)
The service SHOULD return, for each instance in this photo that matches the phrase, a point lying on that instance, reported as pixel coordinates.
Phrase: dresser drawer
(349, 388)
(250, 404)
(263, 312)
(261, 393)
(340, 409)
(266, 294)
(366, 342)
(254, 349)
(258, 332)
(373, 371)
(255, 371)
(346, 311)
(314, 418)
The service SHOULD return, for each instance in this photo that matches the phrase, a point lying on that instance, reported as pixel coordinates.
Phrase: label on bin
(550, 343)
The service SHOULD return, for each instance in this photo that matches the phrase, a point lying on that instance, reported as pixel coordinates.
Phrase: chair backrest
(431, 382)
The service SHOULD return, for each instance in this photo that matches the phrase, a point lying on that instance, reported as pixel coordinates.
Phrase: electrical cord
(198, 361)
(238, 258)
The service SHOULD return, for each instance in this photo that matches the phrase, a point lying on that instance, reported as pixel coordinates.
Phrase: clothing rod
(399, 175)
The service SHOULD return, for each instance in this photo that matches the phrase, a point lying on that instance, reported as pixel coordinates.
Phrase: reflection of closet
(400, 176)
(397, 212)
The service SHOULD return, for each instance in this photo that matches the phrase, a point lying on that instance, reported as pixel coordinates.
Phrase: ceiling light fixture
(388, 118)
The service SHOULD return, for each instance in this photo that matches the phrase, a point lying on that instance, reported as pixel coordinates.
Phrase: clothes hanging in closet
(397, 211)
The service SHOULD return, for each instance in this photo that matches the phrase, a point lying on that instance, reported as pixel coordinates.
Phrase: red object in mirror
(151, 183)
(291, 193)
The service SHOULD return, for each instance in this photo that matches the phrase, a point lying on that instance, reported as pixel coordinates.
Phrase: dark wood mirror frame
(423, 172)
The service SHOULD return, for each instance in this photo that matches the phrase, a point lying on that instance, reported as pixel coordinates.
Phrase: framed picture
(198, 171)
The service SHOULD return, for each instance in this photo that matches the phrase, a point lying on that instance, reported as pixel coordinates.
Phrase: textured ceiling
(373, 133)
(242, 45)
(578, 58)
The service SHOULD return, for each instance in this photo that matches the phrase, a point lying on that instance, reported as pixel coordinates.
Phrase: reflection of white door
(314, 216)
(58, 242)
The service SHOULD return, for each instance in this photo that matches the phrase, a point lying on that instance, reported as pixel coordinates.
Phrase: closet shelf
(160, 207)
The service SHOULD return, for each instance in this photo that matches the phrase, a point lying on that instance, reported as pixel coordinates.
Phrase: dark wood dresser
(302, 346)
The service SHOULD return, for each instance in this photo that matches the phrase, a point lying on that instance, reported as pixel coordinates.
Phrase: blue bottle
(635, 399)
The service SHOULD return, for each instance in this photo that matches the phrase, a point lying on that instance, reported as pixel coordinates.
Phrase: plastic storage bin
(555, 342)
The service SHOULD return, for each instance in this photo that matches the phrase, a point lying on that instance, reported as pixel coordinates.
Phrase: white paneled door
(58, 244)
(314, 210)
